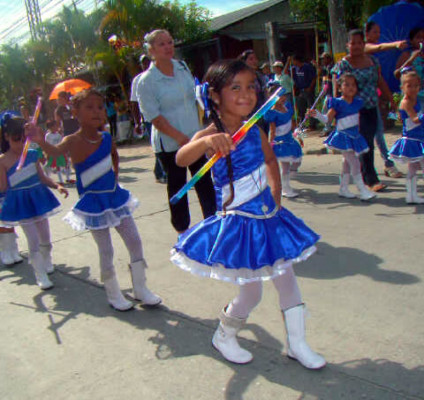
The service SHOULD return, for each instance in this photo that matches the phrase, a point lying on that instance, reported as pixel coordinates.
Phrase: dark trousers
(177, 178)
(305, 100)
(158, 170)
(113, 124)
(368, 119)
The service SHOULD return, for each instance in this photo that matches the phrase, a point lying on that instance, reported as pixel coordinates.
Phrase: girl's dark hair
(347, 75)
(243, 56)
(413, 32)
(369, 25)
(77, 99)
(355, 32)
(11, 126)
(219, 75)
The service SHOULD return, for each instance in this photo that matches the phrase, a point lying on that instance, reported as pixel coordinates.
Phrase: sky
(14, 24)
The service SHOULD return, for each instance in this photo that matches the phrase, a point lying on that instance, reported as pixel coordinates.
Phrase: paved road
(364, 290)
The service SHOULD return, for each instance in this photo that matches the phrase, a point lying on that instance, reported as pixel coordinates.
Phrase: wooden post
(337, 28)
(272, 35)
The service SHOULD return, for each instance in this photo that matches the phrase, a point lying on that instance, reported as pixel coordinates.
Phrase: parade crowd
(241, 197)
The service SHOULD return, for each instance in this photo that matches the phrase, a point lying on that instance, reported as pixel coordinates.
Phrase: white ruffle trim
(10, 224)
(106, 219)
(289, 159)
(406, 160)
(237, 276)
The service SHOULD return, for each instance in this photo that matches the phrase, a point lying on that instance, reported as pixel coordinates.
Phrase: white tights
(129, 234)
(250, 295)
(413, 167)
(285, 167)
(350, 164)
(37, 233)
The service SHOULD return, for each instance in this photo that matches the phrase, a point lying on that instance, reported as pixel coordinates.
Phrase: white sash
(96, 171)
(409, 124)
(23, 174)
(348, 122)
(246, 188)
(283, 129)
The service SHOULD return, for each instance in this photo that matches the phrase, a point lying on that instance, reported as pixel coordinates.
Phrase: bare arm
(36, 134)
(272, 170)
(163, 125)
(371, 48)
(387, 93)
(115, 159)
(404, 60)
(408, 107)
(203, 141)
(49, 182)
(272, 129)
(3, 178)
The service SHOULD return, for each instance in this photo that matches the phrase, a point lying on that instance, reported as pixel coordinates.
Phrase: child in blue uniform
(286, 148)
(103, 203)
(28, 201)
(346, 138)
(410, 147)
(251, 238)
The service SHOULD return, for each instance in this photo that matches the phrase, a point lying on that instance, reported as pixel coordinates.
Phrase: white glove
(321, 117)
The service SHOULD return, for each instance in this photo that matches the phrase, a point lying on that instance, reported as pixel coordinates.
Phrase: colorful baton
(235, 138)
(28, 140)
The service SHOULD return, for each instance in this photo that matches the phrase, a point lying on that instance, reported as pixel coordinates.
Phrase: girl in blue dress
(28, 201)
(103, 203)
(251, 238)
(286, 148)
(346, 138)
(410, 147)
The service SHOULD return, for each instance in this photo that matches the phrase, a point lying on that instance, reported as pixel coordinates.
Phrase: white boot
(46, 252)
(364, 193)
(298, 349)
(141, 292)
(411, 192)
(225, 340)
(114, 295)
(14, 249)
(286, 189)
(344, 187)
(6, 254)
(37, 262)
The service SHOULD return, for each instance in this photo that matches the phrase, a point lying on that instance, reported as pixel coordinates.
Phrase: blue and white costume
(410, 147)
(27, 199)
(285, 147)
(254, 239)
(103, 203)
(346, 137)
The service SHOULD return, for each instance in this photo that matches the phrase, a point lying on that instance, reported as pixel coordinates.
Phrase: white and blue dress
(253, 239)
(410, 147)
(27, 199)
(285, 147)
(346, 137)
(103, 203)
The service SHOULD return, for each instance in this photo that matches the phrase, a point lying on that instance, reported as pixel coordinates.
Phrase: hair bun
(5, 117)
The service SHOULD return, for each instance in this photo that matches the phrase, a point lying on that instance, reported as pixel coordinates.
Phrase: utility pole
(34, 18)
(337, 28)
(272, 34)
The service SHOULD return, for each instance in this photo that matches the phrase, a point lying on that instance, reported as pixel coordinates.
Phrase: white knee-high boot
(6, 254)
(286, 189)
(344, 187)
(141, 292)
(298, 349)
(225, 340)
(17, 258)
(46, 252)
(364, 193)
(37, 262)
(411, 191)
(114, 295)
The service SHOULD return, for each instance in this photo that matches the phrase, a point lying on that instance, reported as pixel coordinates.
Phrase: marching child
(57, 164)
(251, 238)
(103, 203)
(286, 148)
(410, 147)
(28, 200)
(346, 137)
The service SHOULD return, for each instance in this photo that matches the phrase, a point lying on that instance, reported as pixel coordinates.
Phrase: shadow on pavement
(178, 335)
(338, 262)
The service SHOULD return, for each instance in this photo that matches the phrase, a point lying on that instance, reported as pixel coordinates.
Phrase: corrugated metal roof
(225, 20)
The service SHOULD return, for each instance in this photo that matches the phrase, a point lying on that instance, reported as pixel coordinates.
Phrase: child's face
(411, 86)
(239, 97)
(91, 112)
(349, 87)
